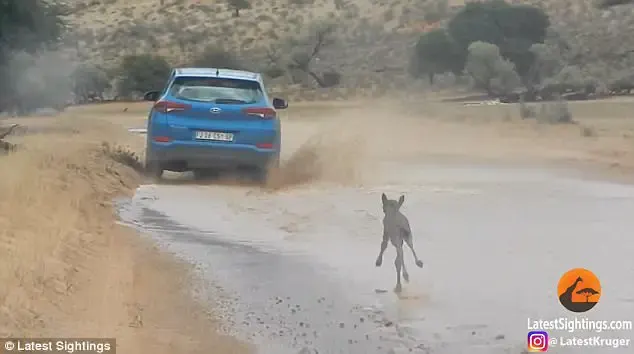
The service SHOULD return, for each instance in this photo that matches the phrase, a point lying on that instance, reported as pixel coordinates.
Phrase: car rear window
(216, 90)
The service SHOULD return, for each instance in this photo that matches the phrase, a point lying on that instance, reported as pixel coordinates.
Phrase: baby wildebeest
(396, 229)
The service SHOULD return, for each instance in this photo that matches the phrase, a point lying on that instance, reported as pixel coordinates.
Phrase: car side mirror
(279, 103)
(151, 96)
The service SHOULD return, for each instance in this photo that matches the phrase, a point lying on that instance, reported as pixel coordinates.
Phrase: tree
(569, 78)
(90, 82)
(238, 5)
(512, 28)
(623, 84)
(490, 71)
(142, 73)
(548, 62)
(214, 56)
(274, 67)
(26, 26)
(305, 50)
(435, 53)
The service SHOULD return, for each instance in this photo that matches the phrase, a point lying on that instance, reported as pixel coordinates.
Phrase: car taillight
(264, 113)
(168, 106)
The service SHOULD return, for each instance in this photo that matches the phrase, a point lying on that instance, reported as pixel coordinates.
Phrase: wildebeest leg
(379, 259)
(398, 263)
(410, 244)
(405, 274)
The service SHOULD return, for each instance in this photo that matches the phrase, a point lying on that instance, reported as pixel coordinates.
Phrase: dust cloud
(37, 81)
(350, 145)
(360, 145)
(342, 146)
(324, 158)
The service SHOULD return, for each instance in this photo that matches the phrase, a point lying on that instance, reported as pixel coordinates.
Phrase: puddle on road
(140, 131)
(283, 304)
(484, 235)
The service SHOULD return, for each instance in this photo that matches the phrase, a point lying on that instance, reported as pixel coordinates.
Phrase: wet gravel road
(298, 265)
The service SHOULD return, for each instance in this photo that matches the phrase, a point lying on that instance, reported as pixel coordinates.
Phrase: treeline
(40, 67)
(39, 71)
(26, 28)
(508, 51)
(88, 82)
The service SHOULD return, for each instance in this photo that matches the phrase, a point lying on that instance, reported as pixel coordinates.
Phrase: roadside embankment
(67, 268)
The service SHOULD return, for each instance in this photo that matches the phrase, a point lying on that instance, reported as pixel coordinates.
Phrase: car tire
(204, 174)
(154, 171)
(260, 175)
(275, 163)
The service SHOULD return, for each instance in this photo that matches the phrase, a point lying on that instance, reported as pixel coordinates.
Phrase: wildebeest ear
(383, 198)
(401, 200)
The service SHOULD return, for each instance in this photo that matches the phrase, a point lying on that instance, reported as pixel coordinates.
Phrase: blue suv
(207, 119)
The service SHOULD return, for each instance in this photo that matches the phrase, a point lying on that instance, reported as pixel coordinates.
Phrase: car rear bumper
(182, 156)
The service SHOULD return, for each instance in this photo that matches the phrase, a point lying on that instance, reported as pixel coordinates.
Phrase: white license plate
(214, 136)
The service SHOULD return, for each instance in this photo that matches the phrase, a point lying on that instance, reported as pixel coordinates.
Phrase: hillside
(370, 46)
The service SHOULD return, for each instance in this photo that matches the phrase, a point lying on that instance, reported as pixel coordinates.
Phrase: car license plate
(214, 136)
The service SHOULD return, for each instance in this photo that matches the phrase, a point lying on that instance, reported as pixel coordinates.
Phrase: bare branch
(8, 131)
(322, 35)
(604, 4)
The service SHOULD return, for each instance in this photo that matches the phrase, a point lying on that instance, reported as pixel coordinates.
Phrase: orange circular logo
(579, 290)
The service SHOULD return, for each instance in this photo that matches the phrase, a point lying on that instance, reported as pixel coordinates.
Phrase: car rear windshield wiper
(229, 101)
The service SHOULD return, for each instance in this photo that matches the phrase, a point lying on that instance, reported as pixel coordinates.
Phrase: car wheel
(275, 163)
(154, 170)
(260, 175)
(202, 174)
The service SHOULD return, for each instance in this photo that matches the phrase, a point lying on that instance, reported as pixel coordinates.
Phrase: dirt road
(494, 226)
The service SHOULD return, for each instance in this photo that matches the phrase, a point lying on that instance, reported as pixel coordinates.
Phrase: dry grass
(601, 136)
(67, 269)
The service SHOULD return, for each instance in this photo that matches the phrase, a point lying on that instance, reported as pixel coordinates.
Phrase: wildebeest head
(390, 205)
